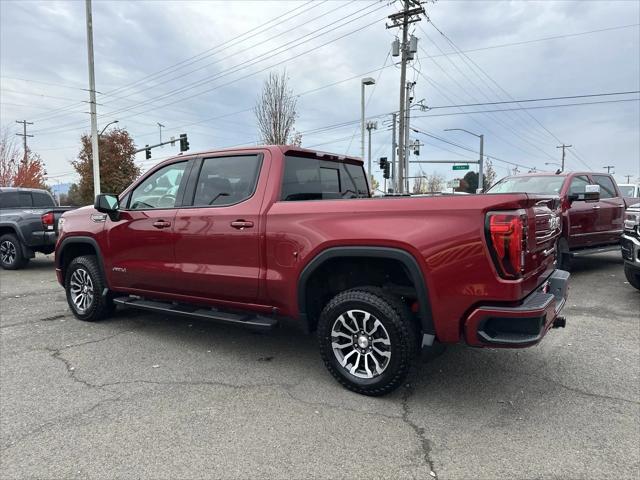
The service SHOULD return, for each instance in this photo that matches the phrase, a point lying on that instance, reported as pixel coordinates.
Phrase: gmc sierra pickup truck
(254, 235)
(630, 244)
(28, 224)
(592, 209)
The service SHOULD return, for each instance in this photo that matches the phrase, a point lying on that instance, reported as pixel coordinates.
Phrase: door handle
(161, 224)
(241, 224)
(595, 207)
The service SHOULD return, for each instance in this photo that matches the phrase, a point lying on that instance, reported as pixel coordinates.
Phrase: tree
(433, 183)
(469, 183)
(276, 112)
(489, 175)
(18, 169)
(117, 166)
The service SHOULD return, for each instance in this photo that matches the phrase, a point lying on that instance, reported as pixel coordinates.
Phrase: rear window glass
(312, 179)
(15, 200)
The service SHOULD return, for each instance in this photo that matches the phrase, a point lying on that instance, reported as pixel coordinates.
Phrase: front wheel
(367, 340)
(84, 286)
(633, 275)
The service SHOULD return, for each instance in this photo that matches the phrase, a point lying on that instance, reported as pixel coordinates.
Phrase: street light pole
(365, 81)
(92, 102)
(107, 126)
(480, 160)
(370, 126)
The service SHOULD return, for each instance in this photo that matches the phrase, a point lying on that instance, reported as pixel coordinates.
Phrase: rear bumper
(43, 239)
(522, 325)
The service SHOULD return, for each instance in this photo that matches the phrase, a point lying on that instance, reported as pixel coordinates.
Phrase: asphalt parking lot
(143, 395)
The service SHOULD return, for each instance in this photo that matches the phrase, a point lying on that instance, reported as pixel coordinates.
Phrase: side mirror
(591, 194)
(109, 204)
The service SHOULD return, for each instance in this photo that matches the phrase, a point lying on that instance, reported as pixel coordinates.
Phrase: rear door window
(607, 188)
(15, 200)
(313, 179)
(226, 180)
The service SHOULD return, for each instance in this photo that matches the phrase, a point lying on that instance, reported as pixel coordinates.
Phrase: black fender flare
(83, 240)
(407, 259)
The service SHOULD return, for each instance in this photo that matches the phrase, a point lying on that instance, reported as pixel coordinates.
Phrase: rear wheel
(11, 253)
(633, 275)
(84, 286)
(367, 340)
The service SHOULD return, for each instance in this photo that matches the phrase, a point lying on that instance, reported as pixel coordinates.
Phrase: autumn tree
(433, 183)
(276, 112)
(19, 168)
(117, 166)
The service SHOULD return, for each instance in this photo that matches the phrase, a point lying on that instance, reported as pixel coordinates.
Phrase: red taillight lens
(507, 232)
(48, 219)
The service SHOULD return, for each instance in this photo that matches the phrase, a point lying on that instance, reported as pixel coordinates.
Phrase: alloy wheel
(8, 252)
(82, 292)
(361, 344)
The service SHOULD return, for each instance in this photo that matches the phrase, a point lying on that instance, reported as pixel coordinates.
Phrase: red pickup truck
(251, 236)
(592, 209)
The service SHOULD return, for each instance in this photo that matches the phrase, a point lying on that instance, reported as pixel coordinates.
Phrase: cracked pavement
(146, 395)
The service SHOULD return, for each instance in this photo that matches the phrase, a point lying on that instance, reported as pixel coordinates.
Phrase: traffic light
(184, 143)
(147, 152)
(387, 169)
(383, 162)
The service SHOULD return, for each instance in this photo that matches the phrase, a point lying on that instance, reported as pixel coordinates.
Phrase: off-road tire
(563, 257)
(397, 320)
(633, 276)
(17, 257)
(101, 306)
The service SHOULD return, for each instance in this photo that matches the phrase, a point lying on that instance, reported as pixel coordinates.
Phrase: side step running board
(255, 322)
(594, 250)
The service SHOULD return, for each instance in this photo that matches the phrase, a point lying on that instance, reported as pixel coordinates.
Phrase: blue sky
(211, 72)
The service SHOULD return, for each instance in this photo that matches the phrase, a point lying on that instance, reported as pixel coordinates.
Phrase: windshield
(627, 190)
(543, 184)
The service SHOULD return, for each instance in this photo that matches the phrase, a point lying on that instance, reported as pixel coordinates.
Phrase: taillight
(507, 239)
(48, 220)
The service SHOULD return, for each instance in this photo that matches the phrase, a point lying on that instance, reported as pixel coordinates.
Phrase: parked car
(592, 209)
(631, 245)
(28, 224)
(629, 190)
(253, 235)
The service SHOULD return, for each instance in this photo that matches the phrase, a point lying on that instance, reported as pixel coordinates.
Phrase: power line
(48, 131)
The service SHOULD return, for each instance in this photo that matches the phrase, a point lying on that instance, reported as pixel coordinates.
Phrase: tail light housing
(48, 220)
(507, 238)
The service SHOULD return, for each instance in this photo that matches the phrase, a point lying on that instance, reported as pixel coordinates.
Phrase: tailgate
(545, 226)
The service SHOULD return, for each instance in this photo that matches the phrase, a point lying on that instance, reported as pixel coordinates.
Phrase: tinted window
(41, 199)
(226, 180)
(543, 184)
(607, 189)
(627, 190)
(159, 190)
(15, 200)
(311, 179)
(578, 185)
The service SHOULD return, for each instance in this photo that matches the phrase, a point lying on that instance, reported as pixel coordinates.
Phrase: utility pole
(363, 83)
(402, 20)
(609, 167)
(92, 102)
(394, 146)
(370, 126)
(563, 147)
(628, 177)
(481, 166)
(407, 131)
(24, 136)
